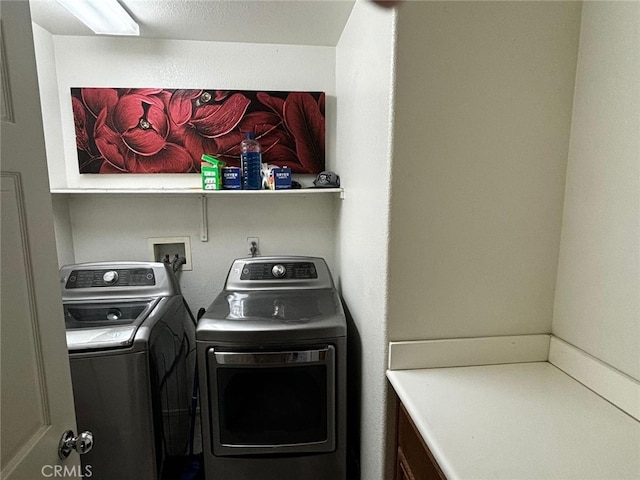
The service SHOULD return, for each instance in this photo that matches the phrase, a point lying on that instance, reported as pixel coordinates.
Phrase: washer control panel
(278, 271)
(129, 277)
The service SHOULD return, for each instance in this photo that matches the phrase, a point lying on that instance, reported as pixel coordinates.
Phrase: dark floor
(184, 468)
(192, 468)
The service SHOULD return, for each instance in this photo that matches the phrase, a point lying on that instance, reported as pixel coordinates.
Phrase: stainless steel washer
(128, 339)
(272, 365)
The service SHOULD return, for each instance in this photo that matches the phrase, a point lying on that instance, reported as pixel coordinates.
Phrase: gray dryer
(272, 367)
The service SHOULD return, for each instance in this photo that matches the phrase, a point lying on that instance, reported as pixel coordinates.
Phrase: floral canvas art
(154, 130)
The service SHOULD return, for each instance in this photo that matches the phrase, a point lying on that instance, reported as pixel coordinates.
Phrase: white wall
(483, 110)
(48, 84)
(364, 76)
(63, 230)
(117, 228)
(597, 304)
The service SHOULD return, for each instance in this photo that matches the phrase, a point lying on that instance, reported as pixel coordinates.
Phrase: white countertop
(518, 421)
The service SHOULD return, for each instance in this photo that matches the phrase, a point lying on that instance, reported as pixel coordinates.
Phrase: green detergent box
(211, 171)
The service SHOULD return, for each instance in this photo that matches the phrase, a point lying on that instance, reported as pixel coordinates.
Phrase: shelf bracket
(204, 222)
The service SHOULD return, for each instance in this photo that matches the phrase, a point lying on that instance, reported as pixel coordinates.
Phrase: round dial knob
(278, 271)
(110, 277)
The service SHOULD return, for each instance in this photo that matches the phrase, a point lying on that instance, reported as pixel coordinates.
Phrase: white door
(36, 395)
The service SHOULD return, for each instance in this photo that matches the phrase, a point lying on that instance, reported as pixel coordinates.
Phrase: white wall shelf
(193, 191)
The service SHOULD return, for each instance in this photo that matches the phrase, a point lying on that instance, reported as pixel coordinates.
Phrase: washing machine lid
(103, 325)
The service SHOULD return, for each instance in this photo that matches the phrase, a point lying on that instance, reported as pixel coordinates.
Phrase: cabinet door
(403, 469)
(414, 460)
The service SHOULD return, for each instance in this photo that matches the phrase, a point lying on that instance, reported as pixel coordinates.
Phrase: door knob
(82, 444)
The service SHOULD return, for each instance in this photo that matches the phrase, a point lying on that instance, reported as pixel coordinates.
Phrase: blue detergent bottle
(251, 162)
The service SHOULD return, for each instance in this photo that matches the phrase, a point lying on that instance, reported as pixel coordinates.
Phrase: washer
(272, 365)
(128, 338)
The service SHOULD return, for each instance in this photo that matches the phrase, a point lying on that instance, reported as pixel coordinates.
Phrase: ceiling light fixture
(106, 17)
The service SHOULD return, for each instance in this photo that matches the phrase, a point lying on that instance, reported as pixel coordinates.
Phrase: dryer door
(272, 402)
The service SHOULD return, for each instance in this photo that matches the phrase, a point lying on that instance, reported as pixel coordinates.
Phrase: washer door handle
(82, 444)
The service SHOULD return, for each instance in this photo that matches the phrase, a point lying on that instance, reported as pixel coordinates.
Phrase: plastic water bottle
(251, 162)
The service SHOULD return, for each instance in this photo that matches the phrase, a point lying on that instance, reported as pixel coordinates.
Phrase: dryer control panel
(272, 270)
(278, 272)
(121, 277)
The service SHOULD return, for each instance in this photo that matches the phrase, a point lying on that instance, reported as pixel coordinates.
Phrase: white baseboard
(620, 389)
(459, 352)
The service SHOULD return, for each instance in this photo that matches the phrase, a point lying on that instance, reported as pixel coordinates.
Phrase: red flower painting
(153, 130)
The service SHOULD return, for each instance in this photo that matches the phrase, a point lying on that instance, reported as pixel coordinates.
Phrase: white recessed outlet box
(165, 249)
(253, 245)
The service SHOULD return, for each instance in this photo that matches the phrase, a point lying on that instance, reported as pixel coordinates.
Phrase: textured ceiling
(296, 22)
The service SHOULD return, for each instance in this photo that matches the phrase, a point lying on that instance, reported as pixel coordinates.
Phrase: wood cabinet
(414, 460)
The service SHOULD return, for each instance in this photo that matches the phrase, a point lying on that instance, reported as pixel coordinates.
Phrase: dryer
(128, 336)
(272, 366)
